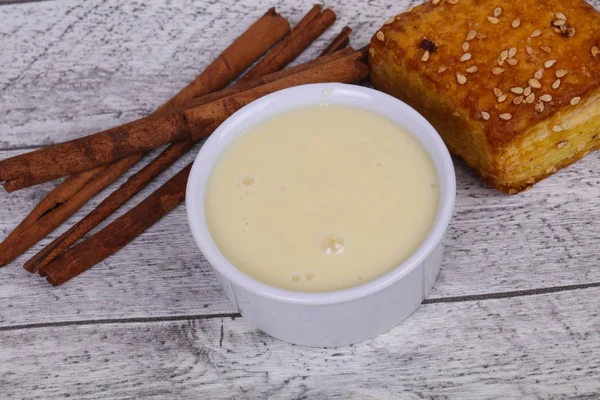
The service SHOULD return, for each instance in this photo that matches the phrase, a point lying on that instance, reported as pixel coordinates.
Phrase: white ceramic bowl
(332, 318)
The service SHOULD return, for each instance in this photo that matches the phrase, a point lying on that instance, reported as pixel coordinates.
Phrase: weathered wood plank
(165, 277)
(543, 238)
(526, 347)
(72, 68)
(546, 236)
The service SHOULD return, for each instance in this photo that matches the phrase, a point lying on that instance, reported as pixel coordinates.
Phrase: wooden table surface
(514, 314)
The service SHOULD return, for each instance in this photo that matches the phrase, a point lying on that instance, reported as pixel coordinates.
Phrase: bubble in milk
(333, 244)
(248, 180)
(247, 184)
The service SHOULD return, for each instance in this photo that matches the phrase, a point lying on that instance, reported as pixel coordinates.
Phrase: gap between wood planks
(9, 2)
(455, 299)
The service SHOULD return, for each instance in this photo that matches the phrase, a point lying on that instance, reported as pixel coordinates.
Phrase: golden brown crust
(486, 55)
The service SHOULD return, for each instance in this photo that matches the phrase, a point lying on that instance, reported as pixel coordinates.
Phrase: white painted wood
(543, 238)
(71, 68)
(526, 347)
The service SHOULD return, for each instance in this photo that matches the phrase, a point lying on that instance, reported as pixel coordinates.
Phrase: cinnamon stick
(307, 30)
(119, 233)
(72, 183)
(167, 128)
(86, 153)
(116, 235)
(310, 27)
(138, 181)
(242, 53)
(242, 86)
(232, 61)
(339, 42)
(63, 192)
(23, 240)
(28, 180)
(202, 120)
(109, 205)
(304, 21)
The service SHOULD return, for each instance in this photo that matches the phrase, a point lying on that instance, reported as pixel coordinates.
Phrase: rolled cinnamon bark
(18, 243)
(119, 233)
(138, 181)
(275, 76)
(109, 205)
(56, 207)
(108, 146)
(202, 120)
(242, 53)
(86, 153)
(116, 235)
(307, 30)
(63, 192)
(339, 42)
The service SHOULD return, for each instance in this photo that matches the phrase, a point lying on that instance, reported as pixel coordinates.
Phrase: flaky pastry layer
(512, 87)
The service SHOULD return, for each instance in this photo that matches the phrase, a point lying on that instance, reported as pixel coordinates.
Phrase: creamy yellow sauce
(322, 198)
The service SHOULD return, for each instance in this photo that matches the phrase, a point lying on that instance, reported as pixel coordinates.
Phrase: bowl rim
(199, 174)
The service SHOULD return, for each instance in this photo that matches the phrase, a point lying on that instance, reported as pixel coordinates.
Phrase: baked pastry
(513, 87)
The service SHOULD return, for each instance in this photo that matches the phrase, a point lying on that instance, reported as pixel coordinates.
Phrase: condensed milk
(321, 198)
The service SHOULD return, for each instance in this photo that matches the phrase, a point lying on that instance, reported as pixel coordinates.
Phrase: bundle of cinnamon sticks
(94, 162)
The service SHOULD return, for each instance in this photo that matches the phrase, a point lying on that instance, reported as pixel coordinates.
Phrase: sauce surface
(322, 198)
